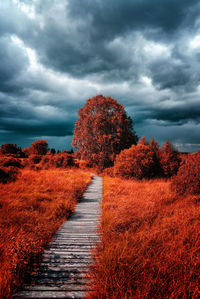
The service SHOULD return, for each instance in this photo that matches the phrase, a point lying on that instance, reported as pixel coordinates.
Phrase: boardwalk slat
(54, 294)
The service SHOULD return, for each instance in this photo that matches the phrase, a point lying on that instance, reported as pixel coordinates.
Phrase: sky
(56, 54)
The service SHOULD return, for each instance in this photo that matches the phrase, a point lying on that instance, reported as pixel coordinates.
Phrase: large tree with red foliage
(102, 130)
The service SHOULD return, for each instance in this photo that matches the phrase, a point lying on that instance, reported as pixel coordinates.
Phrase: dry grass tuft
(150, 245)
(31, 211)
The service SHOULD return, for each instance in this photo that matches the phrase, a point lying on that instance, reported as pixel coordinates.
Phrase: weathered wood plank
(72, 287)
(52, 294)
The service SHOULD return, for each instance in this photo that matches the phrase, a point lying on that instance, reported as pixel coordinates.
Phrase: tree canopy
(102, 130)
(39, 147)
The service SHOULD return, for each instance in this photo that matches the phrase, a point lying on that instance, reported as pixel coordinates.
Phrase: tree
(39, 147)
(102, 131)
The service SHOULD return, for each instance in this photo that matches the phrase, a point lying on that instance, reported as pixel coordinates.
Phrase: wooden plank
(72, 287)
(58, 281)
(52, 294)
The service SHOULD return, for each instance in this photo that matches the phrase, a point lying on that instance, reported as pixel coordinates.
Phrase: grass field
(31, 211)
(151, 242)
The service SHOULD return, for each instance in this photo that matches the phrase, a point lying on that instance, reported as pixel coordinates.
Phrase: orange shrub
(147, 160)
(11, 149)
(187, 180)
(136, 162)
(34, 159)
(169, 159)
(8, 174)
(39, 147)
(109, 171)
(57, 160)
(6, 161)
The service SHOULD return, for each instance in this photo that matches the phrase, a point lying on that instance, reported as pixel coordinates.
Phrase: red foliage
(169, 159)
(139, 162)
(8, 174)
(57, 160)
(34, 159)
(147, 160)
(39, 147)
(11, 149)
(6, 161)
(102, 131)
(187, 180)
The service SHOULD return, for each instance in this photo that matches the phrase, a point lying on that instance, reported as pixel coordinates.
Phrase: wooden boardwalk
(68, 257)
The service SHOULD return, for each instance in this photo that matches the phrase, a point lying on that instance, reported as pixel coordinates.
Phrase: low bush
(11, 149)
(136, 162)
(39, 147)
(147, 160)
(8, 174)
(61, 160)
(109, 171)
(6, 161)
(34, 159)
(187, 180)
(169, 159)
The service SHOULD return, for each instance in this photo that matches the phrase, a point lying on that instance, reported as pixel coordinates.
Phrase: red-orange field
(31, 210)
(151, 242)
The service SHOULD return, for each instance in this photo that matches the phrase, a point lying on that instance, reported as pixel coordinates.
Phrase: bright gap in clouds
(28, 10)
(195, 42)
(30, 52)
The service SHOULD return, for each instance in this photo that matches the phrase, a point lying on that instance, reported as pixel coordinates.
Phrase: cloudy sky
(55, 54)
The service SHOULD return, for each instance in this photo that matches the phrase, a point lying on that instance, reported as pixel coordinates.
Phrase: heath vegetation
(150, 242)
(32, 209)
(150, 211)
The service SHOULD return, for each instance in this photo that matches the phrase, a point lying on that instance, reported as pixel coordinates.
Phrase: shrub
(6, 161)
(57, 160)
(187, 180)
(109, 171)
(34, 159)
(8, 148)
(38, 147)
(8, 174)
(169, 159)
(139, 162)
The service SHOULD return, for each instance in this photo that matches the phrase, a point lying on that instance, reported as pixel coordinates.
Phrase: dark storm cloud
(167, 75)
(34, 127)
(56, 54)
(81, 47)
(85, 44)
(116, 16)
(177, 115)
(13, 62)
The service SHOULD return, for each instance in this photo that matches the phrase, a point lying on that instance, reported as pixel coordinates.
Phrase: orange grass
(150, 244)
(31, 211)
